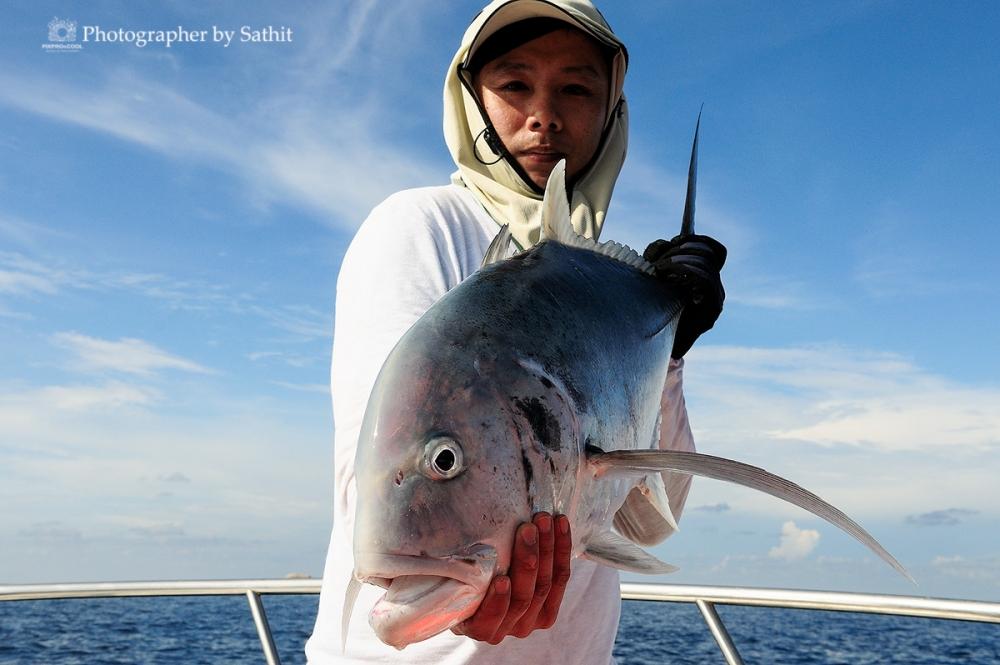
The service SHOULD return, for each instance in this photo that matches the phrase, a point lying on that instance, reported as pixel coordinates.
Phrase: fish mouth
(425, 595)
(473, 565)
(417, 607)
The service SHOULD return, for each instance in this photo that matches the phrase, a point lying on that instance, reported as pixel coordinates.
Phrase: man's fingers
(546, 552)
(543, 580)
(484, 623)
(530, 597)
(523, 572)
(561, 563)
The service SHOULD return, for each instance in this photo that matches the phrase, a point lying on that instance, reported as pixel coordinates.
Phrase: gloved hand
(692, 264)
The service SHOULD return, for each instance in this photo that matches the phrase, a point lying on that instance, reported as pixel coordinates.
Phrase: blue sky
(172, 222)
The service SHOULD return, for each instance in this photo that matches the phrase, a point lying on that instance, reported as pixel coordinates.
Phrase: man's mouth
(543, 155)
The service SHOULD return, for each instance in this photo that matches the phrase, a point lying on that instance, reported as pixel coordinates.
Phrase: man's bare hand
(529, 597)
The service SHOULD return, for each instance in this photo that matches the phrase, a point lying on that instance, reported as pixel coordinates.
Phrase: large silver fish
(532, 386)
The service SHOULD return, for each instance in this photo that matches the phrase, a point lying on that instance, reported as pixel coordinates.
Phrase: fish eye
(442, 458)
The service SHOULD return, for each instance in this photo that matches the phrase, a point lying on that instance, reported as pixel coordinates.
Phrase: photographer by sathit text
(141, 38)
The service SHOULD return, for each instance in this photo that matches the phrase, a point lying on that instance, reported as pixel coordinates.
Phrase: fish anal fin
(610, 549)
(645, 517)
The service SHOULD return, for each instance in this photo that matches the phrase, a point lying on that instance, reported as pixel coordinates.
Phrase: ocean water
(217, 630)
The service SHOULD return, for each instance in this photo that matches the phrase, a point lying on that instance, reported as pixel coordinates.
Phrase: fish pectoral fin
(497, 251)
(612, 550)
(645, 517)
(632, 462)
(350, 598)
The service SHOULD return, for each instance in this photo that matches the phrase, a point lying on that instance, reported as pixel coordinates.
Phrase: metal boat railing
(704, 597)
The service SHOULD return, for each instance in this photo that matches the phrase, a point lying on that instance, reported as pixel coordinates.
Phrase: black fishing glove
(691, 263)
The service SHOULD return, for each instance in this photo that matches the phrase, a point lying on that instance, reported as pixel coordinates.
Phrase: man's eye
(513, 86)
(578, 90)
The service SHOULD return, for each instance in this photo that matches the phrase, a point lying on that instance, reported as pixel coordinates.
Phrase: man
(532, 83)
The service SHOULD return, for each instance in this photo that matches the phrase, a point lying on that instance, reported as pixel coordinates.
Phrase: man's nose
(545, 114)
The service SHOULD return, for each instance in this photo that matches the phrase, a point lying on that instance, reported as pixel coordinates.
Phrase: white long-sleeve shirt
(413, 248)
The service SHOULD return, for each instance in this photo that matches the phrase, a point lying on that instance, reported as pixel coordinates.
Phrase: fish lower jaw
(417, 607)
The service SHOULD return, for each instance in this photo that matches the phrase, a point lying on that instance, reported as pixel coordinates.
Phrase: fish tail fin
(633, 462)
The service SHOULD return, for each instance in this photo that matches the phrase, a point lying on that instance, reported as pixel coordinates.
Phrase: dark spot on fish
(545, 382)
(543, 423)
(399, 478)
(552, 466)
(518, 432)
(528, 474)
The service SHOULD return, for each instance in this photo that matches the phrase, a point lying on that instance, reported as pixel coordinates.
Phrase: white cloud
(303, 322)
(26, 233)
(981, 569)
(51, 532)
(317, 140)
(319, 388)
(912, 419)
(795, 543)
(849, 425)
(830, 395)
(19, 282)
(127, 355)
(99, 457)
(108, 396)
(20, 275)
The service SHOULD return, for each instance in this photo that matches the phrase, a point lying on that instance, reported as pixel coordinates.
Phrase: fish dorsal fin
(557, 224)
(612, 550)
(498, 249)
(556, 219)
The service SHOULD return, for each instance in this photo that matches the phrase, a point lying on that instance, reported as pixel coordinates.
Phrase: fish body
(534, 385)
(522, 367)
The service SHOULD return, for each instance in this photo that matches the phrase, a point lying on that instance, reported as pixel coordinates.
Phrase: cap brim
(528, 9)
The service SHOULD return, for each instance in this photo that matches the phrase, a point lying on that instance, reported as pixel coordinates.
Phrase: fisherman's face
(548, 100)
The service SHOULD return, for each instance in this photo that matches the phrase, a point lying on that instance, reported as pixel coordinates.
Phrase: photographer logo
(62, 36)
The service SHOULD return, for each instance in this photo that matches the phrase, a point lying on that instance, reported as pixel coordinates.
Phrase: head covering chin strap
(502, 190)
